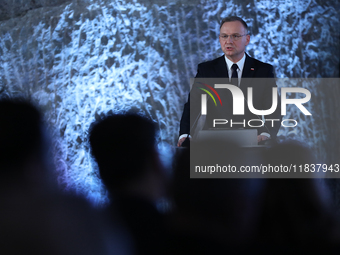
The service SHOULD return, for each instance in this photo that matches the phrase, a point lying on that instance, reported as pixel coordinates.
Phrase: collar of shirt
(240, 65)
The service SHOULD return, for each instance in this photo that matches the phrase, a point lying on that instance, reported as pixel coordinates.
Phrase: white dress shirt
(240, 65)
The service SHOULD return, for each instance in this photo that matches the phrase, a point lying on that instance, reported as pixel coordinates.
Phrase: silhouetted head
(124, 148)
(296, 209)
(217, 201)
(21, 136)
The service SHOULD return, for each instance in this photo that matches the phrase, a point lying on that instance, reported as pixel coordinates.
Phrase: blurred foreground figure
(34, 217)
(22, 145)
(129, 165)
(213, 216)
(297, 216)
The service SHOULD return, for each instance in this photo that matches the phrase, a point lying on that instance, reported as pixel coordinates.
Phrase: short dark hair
(122, 145)
(21, 133)
(234, 18)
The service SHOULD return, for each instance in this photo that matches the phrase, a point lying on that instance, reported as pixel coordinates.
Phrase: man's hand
(262, 138)
(180, 141)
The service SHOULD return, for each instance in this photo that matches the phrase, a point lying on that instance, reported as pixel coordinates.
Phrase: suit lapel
(220, 68)
(249, 68)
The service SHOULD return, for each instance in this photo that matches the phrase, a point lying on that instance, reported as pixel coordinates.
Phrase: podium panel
(240, 137)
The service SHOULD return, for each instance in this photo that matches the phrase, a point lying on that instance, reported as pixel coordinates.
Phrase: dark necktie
(234, 76)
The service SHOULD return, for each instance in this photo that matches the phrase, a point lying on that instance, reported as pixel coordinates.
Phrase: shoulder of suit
(260, 63)
(211, 62)
(221, 59)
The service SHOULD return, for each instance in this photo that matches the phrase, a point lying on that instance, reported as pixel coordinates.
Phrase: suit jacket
(262, 96)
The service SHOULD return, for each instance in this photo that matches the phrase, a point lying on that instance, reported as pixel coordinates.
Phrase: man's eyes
(232, 36)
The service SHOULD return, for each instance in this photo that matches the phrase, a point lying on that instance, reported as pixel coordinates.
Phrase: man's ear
(247, 39)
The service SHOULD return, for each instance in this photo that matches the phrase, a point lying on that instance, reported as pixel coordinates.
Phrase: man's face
(234, 49)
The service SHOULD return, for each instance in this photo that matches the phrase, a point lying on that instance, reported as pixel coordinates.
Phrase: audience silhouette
(34, 217)
(22, 144)
(212, 216)
(208, 216)
(124, 147)
(296, 216)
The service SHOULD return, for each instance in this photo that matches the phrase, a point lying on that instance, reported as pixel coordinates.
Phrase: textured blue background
(77, 61)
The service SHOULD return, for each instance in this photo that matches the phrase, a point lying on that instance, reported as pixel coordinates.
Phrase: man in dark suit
(236, 65)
